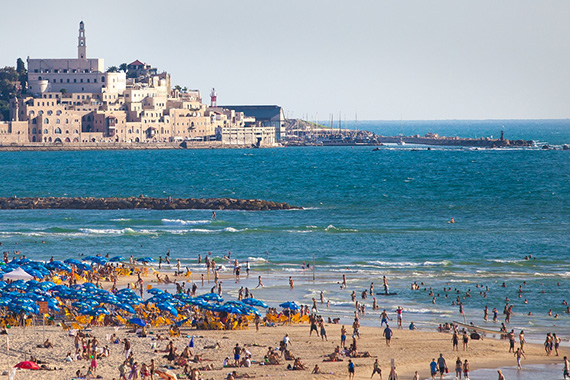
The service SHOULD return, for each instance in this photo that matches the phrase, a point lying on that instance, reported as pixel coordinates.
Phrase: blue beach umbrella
(289, 305)
(231, 309)
(211, 297)
(99, 311)
(254, 302)
(116, 259)
(128, 308)
(138, 322)
(155, 291)
(73, 262)
(167, 307)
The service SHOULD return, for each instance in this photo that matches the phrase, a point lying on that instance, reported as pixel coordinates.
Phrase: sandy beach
(412, 351)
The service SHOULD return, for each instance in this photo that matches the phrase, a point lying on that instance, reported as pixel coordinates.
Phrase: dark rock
(113, 203)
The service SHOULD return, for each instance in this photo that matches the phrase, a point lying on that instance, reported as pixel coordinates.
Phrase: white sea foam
(181, 222)
(506, 261)
(106, 231)
(330, 228)
(120, 220)
(405, 264)
(256, 259)
(231, 229)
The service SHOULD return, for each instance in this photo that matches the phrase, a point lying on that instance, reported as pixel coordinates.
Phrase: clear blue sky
(410, 59)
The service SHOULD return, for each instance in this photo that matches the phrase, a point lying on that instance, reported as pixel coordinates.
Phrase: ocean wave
(181, 222)
(406, 264)
(428, 311)
(506, 261)
(231, 229)
(331, 228)
(121, 220)
(114, 231)
(256, 259)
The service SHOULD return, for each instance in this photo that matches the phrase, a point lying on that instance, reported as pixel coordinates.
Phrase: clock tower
(81, 47)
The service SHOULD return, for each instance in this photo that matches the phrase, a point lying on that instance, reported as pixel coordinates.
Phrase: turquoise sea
(366, 214)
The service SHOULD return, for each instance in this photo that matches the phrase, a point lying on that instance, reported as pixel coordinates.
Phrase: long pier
(90, 203)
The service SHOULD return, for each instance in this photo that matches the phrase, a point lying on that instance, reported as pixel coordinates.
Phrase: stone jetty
(142, 202)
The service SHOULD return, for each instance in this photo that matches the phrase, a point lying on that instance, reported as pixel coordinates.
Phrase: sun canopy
(17, 274)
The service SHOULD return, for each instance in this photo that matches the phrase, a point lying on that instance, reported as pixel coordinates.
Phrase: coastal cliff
(90, 203)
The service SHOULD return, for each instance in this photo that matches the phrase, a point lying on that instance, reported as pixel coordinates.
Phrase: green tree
(113, 69)
(123, 67)
(22, 73)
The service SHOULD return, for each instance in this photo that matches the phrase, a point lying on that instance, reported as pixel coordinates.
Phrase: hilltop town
(76, 103)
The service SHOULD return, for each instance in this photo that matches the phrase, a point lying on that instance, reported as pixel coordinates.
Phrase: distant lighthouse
(213, 98)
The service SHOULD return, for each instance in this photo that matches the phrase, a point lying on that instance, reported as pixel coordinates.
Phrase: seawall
(90, 203)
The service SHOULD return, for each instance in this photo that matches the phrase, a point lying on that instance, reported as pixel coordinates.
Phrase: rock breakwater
(90, 203)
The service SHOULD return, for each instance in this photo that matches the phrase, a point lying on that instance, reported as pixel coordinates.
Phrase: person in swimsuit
(458, 368)
(350, 370)
(376, 369)
(466, 369)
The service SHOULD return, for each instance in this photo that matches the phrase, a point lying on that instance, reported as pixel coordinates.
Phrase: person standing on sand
(350, 370)
(556, 343)
(343, 336)
(323, 331)
(259, 283)
(465, 341)
(122, 371)
(376, 369)
(455, 341)
(522, 340)
(237, 352)
(388, 334)
(566, 370)
(416, 376)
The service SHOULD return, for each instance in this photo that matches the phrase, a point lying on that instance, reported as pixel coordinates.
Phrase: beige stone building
(74, 101)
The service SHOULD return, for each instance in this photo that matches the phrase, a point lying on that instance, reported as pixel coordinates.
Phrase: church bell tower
(81, 47)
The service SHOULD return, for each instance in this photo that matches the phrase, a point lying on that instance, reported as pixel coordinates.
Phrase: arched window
(34, 131)
(32, 113)
(45, 131)
(58, 130)
(46, 121)
(57, 121)
(50, 113)
(58, 112)
(76, 131)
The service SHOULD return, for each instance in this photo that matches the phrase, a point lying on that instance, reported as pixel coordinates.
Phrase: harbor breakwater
(90, 203)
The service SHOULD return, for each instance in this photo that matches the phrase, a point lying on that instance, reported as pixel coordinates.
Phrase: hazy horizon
(409, 60)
